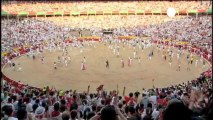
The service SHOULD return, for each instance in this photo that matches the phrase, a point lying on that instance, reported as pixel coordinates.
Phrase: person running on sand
(107, 64)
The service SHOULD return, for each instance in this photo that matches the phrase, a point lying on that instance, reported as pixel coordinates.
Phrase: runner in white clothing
(139, 60)
(55, 65)
(134, 54)
(170, 62)
(196, 62)
(65, 61)
(84, 60)
(83, 66)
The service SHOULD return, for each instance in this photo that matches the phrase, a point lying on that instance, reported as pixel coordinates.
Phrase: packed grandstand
(22, 33)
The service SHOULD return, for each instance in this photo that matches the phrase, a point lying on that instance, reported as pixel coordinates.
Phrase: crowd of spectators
(108, 21)
(32, 31)
(187, 101)
(188, 29)
(29, 32)
(19, 6)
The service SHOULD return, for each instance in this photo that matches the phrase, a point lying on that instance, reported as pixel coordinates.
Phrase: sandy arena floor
(136, 77)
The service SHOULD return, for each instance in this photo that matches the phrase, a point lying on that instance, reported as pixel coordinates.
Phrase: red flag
(100, 87)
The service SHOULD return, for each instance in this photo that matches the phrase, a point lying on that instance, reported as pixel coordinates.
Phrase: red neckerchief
(55, 113)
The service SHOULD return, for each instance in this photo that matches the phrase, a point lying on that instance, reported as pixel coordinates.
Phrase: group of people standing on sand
(64, 58)
(137, 45)
(15, 66)
(190, 57)
(168, 53)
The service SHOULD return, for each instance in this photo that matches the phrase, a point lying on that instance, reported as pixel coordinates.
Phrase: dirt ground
(136, 77)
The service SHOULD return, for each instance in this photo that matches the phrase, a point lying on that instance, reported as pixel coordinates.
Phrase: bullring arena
(106, 60)
(135, 77)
